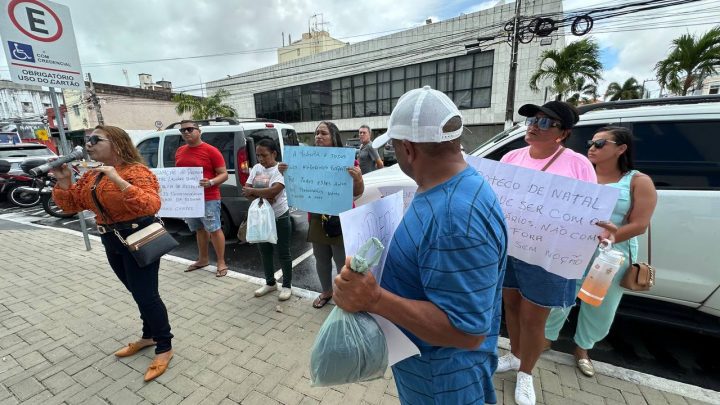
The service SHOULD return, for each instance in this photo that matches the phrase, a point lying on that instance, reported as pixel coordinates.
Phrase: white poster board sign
(379, 219)
(408, 193)
(39, 44)
(180, 192)
(550, 218)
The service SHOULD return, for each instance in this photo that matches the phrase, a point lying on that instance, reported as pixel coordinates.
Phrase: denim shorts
(210, 222)
(538, 285)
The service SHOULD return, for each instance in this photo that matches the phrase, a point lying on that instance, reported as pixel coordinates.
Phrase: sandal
(221, 272)
(320, 301)
(195, 266)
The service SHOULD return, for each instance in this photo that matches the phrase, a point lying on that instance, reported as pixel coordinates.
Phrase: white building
(360, 83)
(311, 43)
(22, 102)
(711, 85)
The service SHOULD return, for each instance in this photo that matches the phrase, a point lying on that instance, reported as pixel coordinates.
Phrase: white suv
(677, 144)
(236, 141)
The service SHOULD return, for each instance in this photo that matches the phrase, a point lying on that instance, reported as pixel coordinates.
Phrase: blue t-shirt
(450, 249)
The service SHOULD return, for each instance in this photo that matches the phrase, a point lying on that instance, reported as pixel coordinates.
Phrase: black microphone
(76, 154)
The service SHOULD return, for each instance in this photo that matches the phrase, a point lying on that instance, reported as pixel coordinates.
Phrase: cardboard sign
(180, 192)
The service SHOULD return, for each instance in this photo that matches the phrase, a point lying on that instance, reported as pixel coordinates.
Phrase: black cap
(558, 110)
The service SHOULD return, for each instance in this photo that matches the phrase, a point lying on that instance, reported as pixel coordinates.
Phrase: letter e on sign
(35, 19)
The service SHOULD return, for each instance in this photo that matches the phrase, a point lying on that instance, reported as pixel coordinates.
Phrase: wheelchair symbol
(22, 52)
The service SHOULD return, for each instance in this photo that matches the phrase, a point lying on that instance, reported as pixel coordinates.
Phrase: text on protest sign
(378, 219)
(317, 178)
(550, 218)
(180, 192)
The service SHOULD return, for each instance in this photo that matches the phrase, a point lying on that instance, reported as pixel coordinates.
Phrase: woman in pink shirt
(529, 291)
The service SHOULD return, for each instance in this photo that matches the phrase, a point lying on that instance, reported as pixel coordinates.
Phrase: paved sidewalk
(63, 313)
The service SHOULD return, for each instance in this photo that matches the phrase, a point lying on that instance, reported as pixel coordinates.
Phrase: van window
(290, 137)
(501, 151)
(679, 155)
(149, 151)
(171, 145)
(258, 134)
(224, 142)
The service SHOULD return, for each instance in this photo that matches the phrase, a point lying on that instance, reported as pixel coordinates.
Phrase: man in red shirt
(197, 153)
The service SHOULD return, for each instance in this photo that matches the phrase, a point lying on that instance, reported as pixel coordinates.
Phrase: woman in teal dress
(610, 151)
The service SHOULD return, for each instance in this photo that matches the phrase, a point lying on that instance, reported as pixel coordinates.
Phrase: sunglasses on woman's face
(188, 130)
(94, 139)
(543, 123)
(598, 143)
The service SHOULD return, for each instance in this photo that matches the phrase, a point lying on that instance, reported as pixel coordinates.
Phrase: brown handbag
(639, 276)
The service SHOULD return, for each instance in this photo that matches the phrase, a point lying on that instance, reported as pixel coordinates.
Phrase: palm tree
(690, 60)
(582, 93)
(204, 108)
(580, 59)
(630, 90)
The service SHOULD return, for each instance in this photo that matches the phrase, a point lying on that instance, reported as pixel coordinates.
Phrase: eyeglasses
(94, 139)
(188, 130)
(599, 143)
(543, 123)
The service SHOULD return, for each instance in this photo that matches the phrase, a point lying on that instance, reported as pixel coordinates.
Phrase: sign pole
(59, 122)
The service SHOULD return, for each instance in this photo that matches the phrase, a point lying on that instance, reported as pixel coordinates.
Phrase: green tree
(690, 60)
(581, 92)
(630, 90)
(204, 108)
(580, 59)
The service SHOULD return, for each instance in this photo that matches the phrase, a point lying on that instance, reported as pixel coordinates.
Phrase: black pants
(284, 233)
(142, 282)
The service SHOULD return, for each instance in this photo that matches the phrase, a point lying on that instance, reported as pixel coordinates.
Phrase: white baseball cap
(420, 116)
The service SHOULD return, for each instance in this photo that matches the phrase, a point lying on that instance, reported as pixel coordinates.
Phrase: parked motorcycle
(39, 191)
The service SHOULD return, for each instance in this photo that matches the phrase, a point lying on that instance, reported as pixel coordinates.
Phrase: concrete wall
(428, 42)
(310, 44)
(12, 97)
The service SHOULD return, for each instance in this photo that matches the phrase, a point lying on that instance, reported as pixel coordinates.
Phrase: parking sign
(39, 44)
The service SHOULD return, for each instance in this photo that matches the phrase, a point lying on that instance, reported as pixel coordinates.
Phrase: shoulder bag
(148, 244)
(638, 276)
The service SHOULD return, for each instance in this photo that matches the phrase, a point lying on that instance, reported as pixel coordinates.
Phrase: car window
(224, 142)
(679, 155)
(25, 152)
(580, 135)
(149, 151)
(256, 135)
(170, 146)
(498, 153)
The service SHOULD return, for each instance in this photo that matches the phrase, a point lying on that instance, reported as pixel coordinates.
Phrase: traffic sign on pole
(39, 44)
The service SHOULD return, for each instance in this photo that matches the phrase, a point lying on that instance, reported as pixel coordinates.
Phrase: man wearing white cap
(443, 276)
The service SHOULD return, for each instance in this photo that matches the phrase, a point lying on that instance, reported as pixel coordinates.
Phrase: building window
(76, 110)
(466, 79)
(27, 108)
(714, 89)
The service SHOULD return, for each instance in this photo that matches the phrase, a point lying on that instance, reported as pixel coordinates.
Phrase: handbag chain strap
(555, 156)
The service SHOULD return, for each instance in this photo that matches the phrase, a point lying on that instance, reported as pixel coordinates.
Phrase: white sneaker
(508, 362)
(524, 389)
(284, 294)
(265, 289)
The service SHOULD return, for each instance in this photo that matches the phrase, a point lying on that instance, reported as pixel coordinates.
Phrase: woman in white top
(267, 182)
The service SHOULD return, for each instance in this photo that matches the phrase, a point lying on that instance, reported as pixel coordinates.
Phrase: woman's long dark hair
(622, 136)
(270, 144)
(334, 133)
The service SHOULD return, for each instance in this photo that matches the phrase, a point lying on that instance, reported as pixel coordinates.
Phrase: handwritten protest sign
(379, 219)
(317, 179)
(408, 193)
(550, 218)
(180, 192)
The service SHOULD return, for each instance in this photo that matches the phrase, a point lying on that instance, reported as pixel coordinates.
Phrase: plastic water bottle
(603, 270)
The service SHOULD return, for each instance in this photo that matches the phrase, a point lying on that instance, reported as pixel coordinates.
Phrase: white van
(236, 141)
(677, 143)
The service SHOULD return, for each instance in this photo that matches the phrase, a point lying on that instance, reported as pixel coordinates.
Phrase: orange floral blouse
(139, 200)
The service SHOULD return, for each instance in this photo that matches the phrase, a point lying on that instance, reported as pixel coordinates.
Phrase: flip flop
(320, 301)
(194, 267)
(221, 272)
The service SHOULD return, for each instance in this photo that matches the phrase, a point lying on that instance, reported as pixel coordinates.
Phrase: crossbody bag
(146, 245)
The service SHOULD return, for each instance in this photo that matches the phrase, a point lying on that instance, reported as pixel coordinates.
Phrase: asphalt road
(677, 354)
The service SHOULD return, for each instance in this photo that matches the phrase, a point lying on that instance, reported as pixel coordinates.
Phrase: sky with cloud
(192, 41)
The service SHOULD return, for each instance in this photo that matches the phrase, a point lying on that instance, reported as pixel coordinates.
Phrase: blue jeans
(142, 282)
(210, 222)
